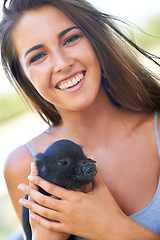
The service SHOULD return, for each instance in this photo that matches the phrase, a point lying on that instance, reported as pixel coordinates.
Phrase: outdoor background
(18, 124)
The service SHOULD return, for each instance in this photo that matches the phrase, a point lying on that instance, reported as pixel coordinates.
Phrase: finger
(97, 180)
(86, 188)
(51, 188)
(98, 183)
(50, 225)
(43, 200)
(34, 172)
(40, 210)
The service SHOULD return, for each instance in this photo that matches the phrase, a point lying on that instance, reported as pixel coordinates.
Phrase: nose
(89, 170)
(62, 61)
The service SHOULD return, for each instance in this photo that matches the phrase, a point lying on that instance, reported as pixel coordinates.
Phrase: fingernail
(21, 187)
(33, 169)
(30, 178)
(22, 201)
(33, 216)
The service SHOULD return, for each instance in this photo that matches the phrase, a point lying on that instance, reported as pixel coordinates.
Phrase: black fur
(64, 164)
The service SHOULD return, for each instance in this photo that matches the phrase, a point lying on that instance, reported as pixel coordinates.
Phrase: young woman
(76, 68)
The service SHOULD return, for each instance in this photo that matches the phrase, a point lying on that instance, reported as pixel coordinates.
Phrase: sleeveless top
(149, 216)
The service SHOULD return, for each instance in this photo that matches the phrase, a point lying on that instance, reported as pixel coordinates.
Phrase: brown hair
(127, 83)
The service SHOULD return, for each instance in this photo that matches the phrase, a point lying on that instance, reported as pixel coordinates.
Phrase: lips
(71, 82)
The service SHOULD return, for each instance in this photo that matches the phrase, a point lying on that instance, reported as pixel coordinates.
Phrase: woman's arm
(16, 170)
(38, 231)
(95, 215)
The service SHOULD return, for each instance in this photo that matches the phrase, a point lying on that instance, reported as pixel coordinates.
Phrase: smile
(70, 82)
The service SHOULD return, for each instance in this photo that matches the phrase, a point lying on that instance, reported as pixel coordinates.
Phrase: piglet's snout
(89, 170)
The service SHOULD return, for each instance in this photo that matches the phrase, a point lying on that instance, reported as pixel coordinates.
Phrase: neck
(89, 124)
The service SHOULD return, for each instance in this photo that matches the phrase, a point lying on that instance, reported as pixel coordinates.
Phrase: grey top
(149, 216)
(30, 149)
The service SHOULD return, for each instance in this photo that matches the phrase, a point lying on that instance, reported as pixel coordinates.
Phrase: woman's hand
(95, 215)
(38, 231)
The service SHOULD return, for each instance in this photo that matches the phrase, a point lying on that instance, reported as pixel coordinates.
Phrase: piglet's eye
(63, 162)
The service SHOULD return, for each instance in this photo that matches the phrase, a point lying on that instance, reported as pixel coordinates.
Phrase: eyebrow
(61, 34)
(33, 48)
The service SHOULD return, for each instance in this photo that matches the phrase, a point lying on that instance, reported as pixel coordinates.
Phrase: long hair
(128, 84)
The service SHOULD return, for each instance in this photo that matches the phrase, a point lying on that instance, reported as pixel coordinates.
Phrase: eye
(71, 39)
(37, 57)
(63, 163)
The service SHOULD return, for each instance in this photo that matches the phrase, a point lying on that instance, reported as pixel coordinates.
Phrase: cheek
(40, 77)
(90, 58)
(33, 77)
(95, 67)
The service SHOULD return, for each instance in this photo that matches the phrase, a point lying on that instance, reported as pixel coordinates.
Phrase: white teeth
(61, 87)
(74, 81)
(78, 78)
(71, 82)
(66, 85)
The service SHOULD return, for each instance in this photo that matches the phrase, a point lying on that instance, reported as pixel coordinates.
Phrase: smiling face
(57, 58)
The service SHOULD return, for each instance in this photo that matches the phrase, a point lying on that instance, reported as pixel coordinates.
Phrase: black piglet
(64, 164)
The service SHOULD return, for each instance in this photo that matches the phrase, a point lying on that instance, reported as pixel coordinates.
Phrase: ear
(39, 160)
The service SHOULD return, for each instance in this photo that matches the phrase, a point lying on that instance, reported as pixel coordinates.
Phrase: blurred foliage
(150, 34)
(10, 106)
(9, 220)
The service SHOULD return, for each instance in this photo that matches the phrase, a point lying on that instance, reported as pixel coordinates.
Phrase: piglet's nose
(90, 170)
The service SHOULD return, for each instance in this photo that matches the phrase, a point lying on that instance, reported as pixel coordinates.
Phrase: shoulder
(157, 128)
(16, 160)
(18, 165)
(158, 120)
(16, 170)
(19, 160)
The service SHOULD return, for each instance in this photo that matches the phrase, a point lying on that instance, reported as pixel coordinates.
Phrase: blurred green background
(9, 221)
(13, 111)
(10, 106)
(152, 39)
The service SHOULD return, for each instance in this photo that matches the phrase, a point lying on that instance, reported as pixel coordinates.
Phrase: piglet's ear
(38, 158)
